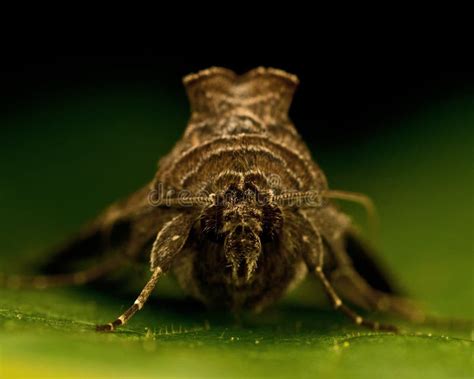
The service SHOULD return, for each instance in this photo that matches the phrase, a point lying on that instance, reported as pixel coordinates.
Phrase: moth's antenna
(364, 200)
(306, 199)
(183, 202)
(314, 199)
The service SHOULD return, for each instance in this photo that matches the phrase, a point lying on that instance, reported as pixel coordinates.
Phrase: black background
(339, 99)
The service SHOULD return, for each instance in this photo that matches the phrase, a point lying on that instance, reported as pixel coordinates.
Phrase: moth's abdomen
(265, 92)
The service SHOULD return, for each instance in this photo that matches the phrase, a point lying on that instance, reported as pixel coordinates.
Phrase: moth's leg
(124, 229)
(168, 243)
(355, 288)
(362, 199)
(314, 244)
(124, 256)
(339, 305)
(137, 305)
(57, 280)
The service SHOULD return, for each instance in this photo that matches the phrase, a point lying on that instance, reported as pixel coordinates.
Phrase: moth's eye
(211, 223)
(272, 222)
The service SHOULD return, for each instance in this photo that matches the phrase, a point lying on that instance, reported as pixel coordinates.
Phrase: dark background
(340, 98)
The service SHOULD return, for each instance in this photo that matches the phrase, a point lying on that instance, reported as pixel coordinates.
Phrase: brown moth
(238, 211)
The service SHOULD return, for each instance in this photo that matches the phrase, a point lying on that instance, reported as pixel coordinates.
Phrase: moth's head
(242, 219)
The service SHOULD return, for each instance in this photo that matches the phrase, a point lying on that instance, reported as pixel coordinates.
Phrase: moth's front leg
(314, 257)
(354, 287)
(168, 243)
(116, 237)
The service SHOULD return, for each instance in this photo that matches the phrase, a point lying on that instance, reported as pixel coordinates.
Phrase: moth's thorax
(239, 125)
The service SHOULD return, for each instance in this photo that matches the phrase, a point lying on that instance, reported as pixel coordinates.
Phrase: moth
(238, 211)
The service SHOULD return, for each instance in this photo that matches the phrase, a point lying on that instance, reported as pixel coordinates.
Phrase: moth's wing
(128, 224)
(367, 263)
